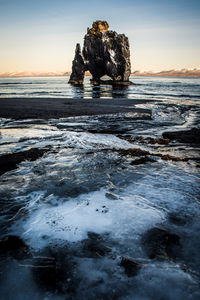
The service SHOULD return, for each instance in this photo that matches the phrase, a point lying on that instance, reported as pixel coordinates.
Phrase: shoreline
(66, 76)
(48, 108)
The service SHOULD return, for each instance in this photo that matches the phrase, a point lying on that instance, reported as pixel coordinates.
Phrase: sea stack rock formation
(105, 52)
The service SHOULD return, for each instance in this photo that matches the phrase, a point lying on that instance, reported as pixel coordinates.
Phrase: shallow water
(87, 182)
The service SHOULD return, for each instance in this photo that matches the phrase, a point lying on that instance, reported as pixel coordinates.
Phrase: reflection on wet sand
(100, 91)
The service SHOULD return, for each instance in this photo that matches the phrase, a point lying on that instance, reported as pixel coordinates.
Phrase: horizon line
(195, 72)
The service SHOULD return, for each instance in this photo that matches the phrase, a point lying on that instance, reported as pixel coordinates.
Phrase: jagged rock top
(97, 27)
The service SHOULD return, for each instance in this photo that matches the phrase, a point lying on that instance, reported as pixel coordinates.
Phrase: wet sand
(47, 108)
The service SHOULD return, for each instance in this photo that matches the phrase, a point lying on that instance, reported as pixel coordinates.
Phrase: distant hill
(34, 74)
(174, 73)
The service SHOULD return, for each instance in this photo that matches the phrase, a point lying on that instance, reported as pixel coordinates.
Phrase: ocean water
(88, 202)
(144, 87)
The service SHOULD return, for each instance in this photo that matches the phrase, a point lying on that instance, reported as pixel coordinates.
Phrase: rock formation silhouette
(105, 52)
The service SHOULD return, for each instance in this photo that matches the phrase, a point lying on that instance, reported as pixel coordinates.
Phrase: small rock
(158, 141)
(53, 271)
(13, 245)
(184, 136)
(142, 160)
(160, 243)
(176, 219)
(131, 267)
(94, 246)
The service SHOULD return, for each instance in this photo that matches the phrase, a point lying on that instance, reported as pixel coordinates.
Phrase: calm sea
(90, 199)
(144, 87)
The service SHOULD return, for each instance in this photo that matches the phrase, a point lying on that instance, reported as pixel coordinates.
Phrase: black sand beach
(47, 108)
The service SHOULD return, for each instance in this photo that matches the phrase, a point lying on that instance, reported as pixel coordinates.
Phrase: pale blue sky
(41, 35)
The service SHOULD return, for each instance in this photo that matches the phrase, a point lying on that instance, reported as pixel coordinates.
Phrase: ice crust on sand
(73, 219)
(86, 185)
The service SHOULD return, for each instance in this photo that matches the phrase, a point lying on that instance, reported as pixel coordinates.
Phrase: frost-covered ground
(89, 204)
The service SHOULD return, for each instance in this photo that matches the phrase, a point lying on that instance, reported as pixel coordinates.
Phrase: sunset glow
(40, 36)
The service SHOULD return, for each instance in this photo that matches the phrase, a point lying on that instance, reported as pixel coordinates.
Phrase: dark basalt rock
(153, 141)
(178, 220)
(104, 52)
(159, 243)
(54, 271)
(94, 246)
(49, 274)
(131, 267)
(133, 152)
(9, 162)
(14, 246)
(142, 160)
(185, 136)
(78, 67)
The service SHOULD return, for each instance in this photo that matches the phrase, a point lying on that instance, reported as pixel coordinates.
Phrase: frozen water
(72, 220)
(86, 195)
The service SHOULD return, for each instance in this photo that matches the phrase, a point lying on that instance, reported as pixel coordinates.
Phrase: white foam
(27, 137)
(85, 140)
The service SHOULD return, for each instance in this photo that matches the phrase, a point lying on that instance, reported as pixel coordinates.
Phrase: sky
(41, 35)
